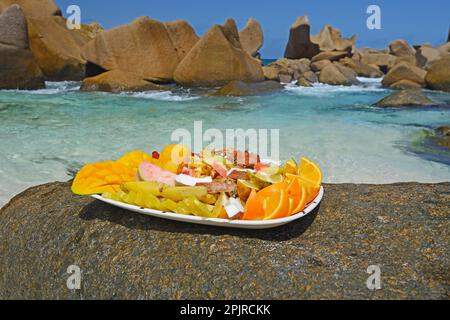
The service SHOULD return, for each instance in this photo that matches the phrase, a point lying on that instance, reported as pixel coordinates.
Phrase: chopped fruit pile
(225, 184)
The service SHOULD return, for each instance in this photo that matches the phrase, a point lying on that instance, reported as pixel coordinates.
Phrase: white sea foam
(162, 96)
(52, 88)
(320, 89)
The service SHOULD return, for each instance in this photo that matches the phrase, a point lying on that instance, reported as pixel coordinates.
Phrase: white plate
(239, 224)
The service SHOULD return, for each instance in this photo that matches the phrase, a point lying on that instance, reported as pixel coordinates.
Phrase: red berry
(155, 155)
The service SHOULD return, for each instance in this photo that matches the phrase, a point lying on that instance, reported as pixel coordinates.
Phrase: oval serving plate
(238, 224)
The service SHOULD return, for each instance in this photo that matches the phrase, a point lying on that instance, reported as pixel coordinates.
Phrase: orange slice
(277, 206)
(254, 208)
(273, 190)
(310, 171)
(301, 203)
(311, 189)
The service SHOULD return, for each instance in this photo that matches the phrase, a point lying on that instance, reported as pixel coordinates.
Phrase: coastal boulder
(217, 59)
(33, 8)
(336, 74)
(183, 37)
(400, 48)
(286, 70)
(405, 84)
(142, 47)
(405, 98)
(404, 71)
(57, 49)
(330, 55)
(438, 77)
(442, 136)
(317, 66)
(330, 39)
(384, 61)
(299, 44)
(18, 68)
(426, 56)
(252, 37)
(119, 81)
(239, 88)
(362, 70)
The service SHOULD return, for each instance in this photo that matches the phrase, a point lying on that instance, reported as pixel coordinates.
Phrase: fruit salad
(225, 184)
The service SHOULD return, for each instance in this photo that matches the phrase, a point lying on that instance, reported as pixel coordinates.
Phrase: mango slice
(135, 158)
(101, 177)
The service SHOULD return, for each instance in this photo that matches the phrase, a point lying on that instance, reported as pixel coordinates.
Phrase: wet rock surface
(403, 228)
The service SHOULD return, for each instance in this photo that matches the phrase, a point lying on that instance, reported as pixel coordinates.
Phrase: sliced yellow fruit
(290, 167)
(135, 158)
(310, 171)
(101, 177)
(178, 194)
(154, 188)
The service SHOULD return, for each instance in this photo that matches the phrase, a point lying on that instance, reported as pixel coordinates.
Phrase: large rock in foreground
(217, 59)
(143, 47)
(34, 8)
(18, 67)
(403, 228)
(252, 37)
(438, 77)
(406, 98)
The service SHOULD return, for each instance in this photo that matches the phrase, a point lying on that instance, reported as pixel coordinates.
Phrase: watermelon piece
(152, 173)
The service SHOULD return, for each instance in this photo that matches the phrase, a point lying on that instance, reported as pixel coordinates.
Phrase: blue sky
(415, 21)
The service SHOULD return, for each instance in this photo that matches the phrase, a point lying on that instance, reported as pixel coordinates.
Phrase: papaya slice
(102, 177)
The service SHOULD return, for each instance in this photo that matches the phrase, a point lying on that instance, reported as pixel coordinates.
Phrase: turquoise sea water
(47, 135)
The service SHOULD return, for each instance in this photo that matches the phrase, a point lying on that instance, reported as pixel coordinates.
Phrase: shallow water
(47, 135)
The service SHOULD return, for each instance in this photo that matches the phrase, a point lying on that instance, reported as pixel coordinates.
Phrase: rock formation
(299, 44)
(143, 47)
(57, 49)
(286, 70)
(119, 81)
(183, 37)
(383, 60)
(46, 229)
(33, 8)
(217, 59)
(438, 77)
(239, 88)
(405, 98)
(18, 67)
(337, 74)
(252, 37)
(330, 39)
(361, 69)
(404, 71)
